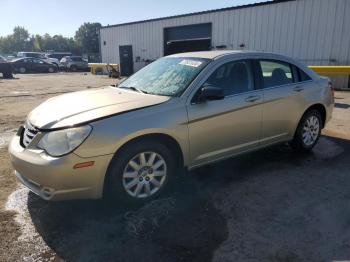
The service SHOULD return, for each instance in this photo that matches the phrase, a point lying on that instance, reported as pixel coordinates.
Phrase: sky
(65, 16)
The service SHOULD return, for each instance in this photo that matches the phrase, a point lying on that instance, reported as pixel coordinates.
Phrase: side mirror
(210, 92)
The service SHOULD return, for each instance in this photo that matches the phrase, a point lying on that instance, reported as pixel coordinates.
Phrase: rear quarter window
(303, 76)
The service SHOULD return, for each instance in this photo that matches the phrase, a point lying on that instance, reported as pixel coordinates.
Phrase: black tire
(57, 68)
(113, 187)
(73, 68)
(298, 143)
(52, 70)
(22, 70)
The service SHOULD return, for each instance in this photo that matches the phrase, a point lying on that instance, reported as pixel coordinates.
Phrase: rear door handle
(252, 99)
(298, 89)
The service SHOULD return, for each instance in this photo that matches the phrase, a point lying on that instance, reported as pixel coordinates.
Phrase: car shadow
(186, 225)
(182, 226)
(341, 105)
(12, 78)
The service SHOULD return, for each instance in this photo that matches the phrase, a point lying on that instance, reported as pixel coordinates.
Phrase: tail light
(331, 87)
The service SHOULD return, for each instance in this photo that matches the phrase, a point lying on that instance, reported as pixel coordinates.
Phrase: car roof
(28, 57)
(207, 54)
(58, 53)
(70, 56)
(30, 52)
(220, 53)
(34, 57)
(215, 54)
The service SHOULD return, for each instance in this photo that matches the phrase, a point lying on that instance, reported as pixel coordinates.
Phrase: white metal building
(314, 31)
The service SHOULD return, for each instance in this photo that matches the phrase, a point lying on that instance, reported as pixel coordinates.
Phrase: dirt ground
(271, 205)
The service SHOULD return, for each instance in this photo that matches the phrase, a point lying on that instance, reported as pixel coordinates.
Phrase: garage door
(187, 38)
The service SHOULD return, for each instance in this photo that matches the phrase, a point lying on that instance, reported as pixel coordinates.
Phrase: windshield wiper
(134, 89)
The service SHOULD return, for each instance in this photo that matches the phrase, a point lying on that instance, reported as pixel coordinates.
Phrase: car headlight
(62, 142)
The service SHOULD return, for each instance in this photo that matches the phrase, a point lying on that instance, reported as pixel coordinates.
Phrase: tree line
(86, 40)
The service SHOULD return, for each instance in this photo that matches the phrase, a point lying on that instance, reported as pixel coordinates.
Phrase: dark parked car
(32, 65)
(74, 63)
(39, 55)
(5, 68)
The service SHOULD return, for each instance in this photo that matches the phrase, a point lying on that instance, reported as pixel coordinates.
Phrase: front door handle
(298, 89)
(252, 99)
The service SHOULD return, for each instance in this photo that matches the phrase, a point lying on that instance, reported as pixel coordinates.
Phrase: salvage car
(32, 65)
(129, 142)
(74, 63)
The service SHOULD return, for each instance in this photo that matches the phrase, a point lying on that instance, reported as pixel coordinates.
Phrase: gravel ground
(271, 205)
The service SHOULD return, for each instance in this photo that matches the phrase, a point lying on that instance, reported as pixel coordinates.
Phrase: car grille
(29, 133)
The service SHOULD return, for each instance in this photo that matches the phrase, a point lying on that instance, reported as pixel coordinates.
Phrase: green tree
(20, 39)
(6, 44)
(86, 40)
(87, 37)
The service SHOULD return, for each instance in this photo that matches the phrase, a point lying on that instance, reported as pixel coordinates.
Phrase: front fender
(110, 134)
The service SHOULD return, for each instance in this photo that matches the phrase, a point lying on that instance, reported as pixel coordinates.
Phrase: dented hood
(84, 106)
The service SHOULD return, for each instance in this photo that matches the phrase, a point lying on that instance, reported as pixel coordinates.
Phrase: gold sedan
(129, 142)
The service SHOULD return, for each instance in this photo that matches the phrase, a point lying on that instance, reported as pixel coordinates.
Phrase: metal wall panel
(314, 31)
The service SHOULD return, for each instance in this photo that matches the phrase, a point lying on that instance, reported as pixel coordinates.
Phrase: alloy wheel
(144, 174)
(311, 130)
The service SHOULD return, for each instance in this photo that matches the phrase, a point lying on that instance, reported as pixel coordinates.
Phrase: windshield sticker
(190, 63)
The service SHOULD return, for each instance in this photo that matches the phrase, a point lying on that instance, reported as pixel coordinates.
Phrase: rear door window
(276, 73)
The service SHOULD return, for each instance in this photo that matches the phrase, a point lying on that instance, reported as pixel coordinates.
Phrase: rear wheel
(308, 131)
(142, 171)
(73, 68)
(22, 70)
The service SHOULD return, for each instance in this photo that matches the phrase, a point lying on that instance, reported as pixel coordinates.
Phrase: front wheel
(142, 171)
(52, 70)
(308, 131)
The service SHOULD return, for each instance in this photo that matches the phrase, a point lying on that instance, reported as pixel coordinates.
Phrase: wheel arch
(321, 109)
(168, 140)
